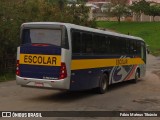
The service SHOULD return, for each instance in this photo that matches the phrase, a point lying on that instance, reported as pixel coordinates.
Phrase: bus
(65, 56)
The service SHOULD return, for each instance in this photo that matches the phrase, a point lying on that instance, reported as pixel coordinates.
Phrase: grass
(149, 31)
(7, 77)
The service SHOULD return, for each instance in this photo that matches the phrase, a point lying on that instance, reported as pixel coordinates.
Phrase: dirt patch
(147, 101)
(157, 73)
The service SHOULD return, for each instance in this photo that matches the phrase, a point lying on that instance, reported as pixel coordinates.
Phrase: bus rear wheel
(103, 84)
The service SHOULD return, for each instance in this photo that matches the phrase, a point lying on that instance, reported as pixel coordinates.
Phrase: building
(98, 1)
(156, 1)
(99, 8)
(72, 1)
(144, 17)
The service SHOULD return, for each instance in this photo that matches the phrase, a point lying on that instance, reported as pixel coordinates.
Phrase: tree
(13, 14)
(119, 9)
(61, 4)
(79, 14)
(117, 2)
(9, 33)
(139, 7)
(154, 10)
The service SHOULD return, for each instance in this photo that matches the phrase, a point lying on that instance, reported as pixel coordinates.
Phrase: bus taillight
(17, 68)
(63, 71)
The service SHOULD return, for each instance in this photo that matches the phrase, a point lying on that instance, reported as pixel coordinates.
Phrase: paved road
(145, 95)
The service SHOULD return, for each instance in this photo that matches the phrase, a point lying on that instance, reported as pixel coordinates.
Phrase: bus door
(143, 57)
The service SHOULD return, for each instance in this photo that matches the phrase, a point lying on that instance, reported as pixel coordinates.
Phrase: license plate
(38, 84)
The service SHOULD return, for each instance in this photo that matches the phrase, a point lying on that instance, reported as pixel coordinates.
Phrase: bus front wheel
(103, 84)
(137, 74)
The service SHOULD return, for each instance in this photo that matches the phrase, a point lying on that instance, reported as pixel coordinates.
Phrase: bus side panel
(122, 73)
(89, 78)
(85, 79)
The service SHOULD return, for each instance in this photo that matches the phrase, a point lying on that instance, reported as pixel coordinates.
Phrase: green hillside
(149, 31)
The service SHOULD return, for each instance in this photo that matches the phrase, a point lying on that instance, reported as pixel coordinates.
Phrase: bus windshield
(42, 36)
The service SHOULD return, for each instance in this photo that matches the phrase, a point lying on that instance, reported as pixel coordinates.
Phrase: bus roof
(69, 25)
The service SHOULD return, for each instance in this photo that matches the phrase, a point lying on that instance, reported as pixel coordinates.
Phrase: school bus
(65, 56)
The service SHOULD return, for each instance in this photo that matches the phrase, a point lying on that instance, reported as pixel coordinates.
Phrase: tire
(103, 84)
(136, 77)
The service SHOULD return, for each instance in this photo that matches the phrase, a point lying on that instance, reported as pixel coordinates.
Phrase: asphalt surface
(126, 96)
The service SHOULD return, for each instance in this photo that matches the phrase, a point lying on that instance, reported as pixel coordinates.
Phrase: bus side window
(134, 47)
(76, 42)
(95, 43)
(116, 45)
(107, 44)
(87, 43)
(112, 45)
(131, 44)
(122, 46)
(127, 47)
(65, 43)
(102, 45)
(25, 36)
(138, 44)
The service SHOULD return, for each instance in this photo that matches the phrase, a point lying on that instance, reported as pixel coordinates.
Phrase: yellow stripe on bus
(97, 63)
(38, 59)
